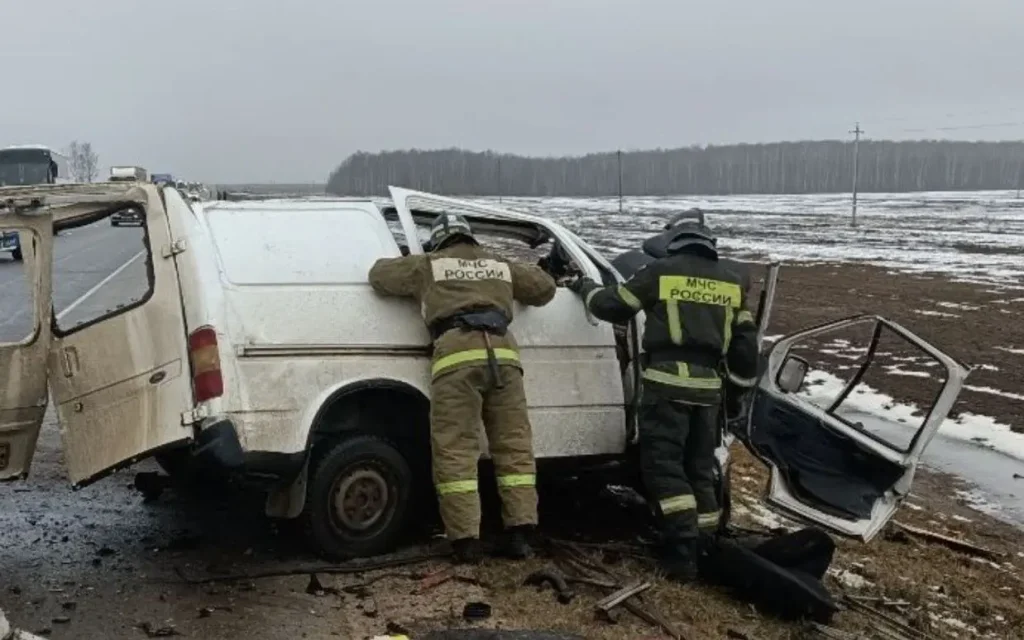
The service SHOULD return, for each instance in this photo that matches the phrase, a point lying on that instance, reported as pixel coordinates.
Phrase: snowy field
(973, 236)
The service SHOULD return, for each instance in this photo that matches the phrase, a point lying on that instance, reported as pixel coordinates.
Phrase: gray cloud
(266, 90)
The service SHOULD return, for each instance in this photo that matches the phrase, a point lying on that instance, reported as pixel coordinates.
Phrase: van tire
(16, 254)
(374, 472)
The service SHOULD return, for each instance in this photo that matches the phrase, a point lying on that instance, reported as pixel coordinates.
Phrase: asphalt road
(84, 260)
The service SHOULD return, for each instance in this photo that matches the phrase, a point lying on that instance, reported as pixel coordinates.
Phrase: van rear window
(305, 245)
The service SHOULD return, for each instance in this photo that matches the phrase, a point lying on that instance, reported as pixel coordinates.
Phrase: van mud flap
(781, 575)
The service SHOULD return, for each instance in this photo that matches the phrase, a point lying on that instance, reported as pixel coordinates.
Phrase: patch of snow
(913, 507)
(762, 515)
(988, 367)
(1019, 352)
(938, 314)
(961, 518)
(823, 387)
(994, 392)
(979, 502)
(953, 622)
(958, 305)
(849, 579)
(894, 370)
(838, 354)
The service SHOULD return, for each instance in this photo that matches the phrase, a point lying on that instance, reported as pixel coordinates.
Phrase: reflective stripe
(683, 379)
(700, 291)
(741, 382)
(727, 332)
(590, 296)
(517, 480)
(744, 317)
(675, 504)
(709, 519)
(675, 323)
(471, 355)
(630, 299)
(456, 486)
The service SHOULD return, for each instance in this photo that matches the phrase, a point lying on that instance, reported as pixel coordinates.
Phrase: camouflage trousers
(460, 400)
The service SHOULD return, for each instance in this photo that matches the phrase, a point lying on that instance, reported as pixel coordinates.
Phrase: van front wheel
(357, 498)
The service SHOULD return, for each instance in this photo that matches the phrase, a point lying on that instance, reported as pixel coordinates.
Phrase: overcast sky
(275, 90)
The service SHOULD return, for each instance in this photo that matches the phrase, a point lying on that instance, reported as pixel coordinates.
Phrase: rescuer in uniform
(698, 328)
(466, 292)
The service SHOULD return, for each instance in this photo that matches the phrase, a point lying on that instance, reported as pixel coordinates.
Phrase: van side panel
(302, 322)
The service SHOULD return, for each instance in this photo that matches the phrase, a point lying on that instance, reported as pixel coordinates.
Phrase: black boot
(679, 561)
(466, 551)
(515, 543)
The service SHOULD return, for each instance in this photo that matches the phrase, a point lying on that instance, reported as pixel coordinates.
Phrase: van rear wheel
(357, 500)
(16, 254)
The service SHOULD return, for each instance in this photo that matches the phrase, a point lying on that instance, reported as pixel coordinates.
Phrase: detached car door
(24, 341)
(119, 360)
(824, 468)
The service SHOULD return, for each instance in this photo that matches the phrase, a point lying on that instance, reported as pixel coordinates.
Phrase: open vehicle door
(826, 468)
(24, 339)
(560, 345)
(120, 372)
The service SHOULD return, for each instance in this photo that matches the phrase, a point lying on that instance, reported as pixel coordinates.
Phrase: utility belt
(488, 321)
(699, 357)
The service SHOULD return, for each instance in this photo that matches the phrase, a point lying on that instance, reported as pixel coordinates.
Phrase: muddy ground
(102, 563)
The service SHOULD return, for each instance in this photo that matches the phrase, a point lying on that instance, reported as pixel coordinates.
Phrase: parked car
(11, 243)
(260, 350)
(130, 217)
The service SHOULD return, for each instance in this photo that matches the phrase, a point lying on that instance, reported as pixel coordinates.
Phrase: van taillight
(207, 381)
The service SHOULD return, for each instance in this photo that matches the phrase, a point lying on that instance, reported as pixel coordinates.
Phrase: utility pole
(618, 155)
(499, 178)
(856, 151)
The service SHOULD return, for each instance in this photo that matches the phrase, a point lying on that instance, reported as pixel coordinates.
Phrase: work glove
(580, 284)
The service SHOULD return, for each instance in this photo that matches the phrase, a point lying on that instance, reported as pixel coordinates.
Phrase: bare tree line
(785, 167)
(83, 161)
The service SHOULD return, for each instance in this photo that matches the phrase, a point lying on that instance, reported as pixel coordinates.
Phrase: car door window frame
(150, 275)
(956, 373)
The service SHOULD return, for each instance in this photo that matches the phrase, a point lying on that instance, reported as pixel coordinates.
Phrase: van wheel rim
(361, 499)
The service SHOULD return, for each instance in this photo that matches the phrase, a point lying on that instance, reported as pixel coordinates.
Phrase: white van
(259, 348)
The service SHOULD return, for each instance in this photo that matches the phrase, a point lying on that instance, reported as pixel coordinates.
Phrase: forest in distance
(824, 166)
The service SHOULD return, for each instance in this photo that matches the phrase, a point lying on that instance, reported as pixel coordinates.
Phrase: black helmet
(690, 234)
(448, 226)
(690, 215)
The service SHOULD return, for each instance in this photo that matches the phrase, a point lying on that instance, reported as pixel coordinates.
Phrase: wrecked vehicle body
(261, 350)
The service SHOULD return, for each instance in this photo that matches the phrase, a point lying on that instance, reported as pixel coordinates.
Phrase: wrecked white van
(260, 349)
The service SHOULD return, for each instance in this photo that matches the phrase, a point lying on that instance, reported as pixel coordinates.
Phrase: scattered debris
(556, 579)
(314, 588)
(574, 558)
(476, 611)
(953, 543)
(606, 606)
(897, 629)
(153, 631)
(354, 566)
(435, 579)
(151, 484)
